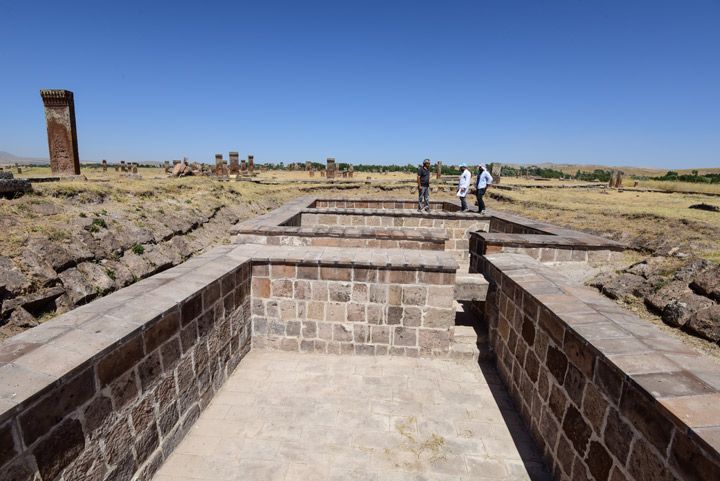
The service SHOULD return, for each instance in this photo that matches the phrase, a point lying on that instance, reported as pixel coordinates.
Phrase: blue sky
(572, 81)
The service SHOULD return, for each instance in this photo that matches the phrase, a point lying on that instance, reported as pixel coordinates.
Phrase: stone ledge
(424, 235)
(584, 241)
(413, 213)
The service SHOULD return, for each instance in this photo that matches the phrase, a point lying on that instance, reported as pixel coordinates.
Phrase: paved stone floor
(308, 417)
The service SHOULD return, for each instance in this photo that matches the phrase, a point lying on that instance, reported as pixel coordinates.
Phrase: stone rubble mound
(12, 187)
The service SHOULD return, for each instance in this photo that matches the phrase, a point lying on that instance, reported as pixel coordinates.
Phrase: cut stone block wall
(344, 309)
(105, 392)
(456, 227)
(325, 241)
(607, 396)
(381, 204)
(546, 248)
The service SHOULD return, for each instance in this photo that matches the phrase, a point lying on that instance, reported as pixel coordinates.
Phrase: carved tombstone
(134, 168)
(123, 166)
(243, 167)
(62, 131)
(438, 170)
(350, 170)
(104, 165)
(330, 168)
(166, 166)
(308, 166)
(218, 164)
(495, 172)
(251, 163)
(234, 163)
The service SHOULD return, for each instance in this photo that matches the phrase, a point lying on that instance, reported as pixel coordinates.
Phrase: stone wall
(456, 227)
(340, 236)
(381, 204)
(346, 309)
(547, 248)
(105, 392)
(607, 396)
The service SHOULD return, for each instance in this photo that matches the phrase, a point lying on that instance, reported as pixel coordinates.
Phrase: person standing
(423, 183)
(484, 180)
(464, 187)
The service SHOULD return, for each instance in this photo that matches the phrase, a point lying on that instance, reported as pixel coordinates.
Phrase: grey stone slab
(320, 417)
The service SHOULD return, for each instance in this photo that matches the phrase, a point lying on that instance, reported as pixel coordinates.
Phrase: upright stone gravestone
(104, 165)
(330, 168)
(218, 164)
(166, 165)
(495, 172)
(62, 131)
(134, 168)
(350, 170)
(251, 163)
(234, 163)
(123, 166)
(438, 170)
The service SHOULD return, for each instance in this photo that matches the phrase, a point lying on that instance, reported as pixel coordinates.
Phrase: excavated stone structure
(62, 131)
(110, 389)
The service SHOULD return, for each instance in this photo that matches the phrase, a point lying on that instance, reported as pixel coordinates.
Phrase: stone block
(375, 313)
(434, 339)
(339, 291)
(576, 429)
(356, 312)
(414, 295)
(335, 273)
(281, 288)
(404, 336)
(378, 293)
(438, 318)
(310, 272)
(320, 291)
(261, 287)
(283, 271)
(44, 415)
(412, 316)
(342, 332)
(55, 452)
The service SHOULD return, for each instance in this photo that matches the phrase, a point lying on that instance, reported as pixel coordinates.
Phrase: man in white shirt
(484, 180)
(464, 187)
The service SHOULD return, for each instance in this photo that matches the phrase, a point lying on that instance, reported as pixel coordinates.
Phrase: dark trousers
(463, 204)
(480, 203)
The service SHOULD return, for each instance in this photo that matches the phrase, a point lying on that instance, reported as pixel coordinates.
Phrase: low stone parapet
(606, 395)
(336, 236)
(547, 247)
(107, 390)
(456, 226)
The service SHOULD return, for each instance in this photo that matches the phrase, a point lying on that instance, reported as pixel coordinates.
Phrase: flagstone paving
(291, 416)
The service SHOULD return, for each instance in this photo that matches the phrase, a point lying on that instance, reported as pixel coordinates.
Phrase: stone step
(467, 352)
(465, 335)
(470, 287)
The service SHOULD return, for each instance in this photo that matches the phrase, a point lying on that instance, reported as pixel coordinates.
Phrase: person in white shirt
(464, 187)
(484, 180)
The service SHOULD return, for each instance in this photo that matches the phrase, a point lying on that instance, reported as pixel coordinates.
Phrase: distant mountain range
(8, 158)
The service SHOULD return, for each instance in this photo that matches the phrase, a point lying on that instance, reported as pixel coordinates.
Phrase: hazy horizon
(518, 82)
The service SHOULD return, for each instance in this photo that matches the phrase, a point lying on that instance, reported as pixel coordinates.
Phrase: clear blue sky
(613, 82)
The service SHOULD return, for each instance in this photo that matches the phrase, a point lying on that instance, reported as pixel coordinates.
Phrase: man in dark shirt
(423, 182)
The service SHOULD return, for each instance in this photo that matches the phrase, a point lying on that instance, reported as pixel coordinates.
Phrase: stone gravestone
(62, 131)
(234, 163)
(134, 168)
(438, 170)
(117, 168)
(323, 174)
(251, 163)
(344, 174)
(495, 172)
(104, 165)
(243, 167)
(123, 166)
(218, 164)
(330, 168)
(312, 172)
(166, 166)
(308, 166)
(350, 171)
